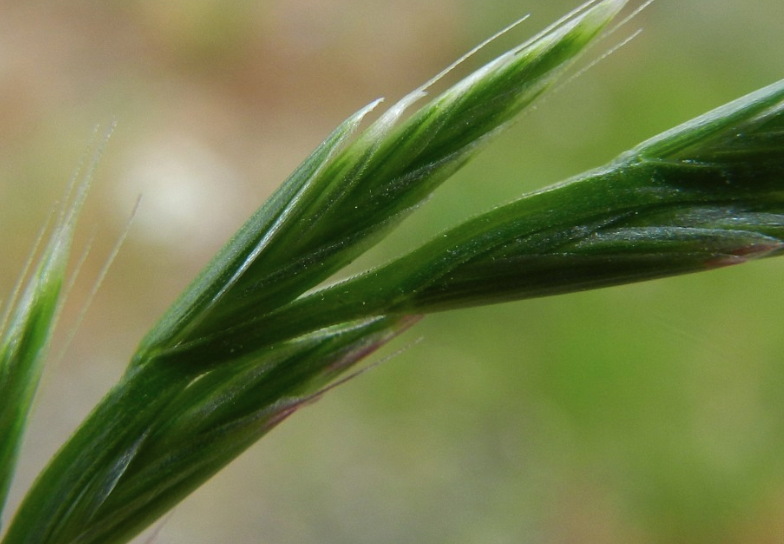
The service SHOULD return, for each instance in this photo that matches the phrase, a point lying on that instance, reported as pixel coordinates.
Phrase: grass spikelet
(252, 339)
(193, 397)
(28, 325)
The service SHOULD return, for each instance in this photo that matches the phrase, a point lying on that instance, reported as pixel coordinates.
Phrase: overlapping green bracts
(709, 193)
(162, 433)
(339, 204)
(195, 395)
(244, 346)
(26, 331)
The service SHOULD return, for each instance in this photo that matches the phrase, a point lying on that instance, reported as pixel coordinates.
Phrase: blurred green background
(645, 414)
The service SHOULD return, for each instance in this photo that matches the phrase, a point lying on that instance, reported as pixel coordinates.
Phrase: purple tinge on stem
(746, 253)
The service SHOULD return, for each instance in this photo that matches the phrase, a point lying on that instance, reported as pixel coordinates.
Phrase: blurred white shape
(189, 195)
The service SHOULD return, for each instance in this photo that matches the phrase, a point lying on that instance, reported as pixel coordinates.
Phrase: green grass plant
(256, 336)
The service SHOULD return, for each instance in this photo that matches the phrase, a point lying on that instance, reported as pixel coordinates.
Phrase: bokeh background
(645, 414)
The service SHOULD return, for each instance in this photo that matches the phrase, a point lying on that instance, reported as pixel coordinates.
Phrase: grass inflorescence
(250, 340)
